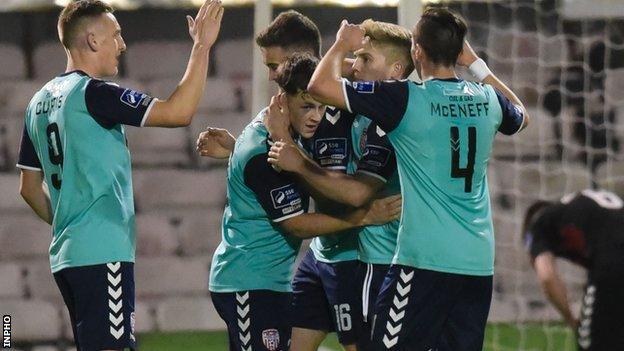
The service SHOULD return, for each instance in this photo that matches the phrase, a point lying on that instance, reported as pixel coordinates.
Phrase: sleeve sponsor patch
(133, 98)
(286, 199)
(364, 87)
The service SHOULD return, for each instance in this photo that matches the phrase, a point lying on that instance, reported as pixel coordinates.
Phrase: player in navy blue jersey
(437, 292)
(586, 229)
(371, 171)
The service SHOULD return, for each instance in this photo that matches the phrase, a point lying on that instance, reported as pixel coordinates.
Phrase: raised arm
(480, 70)
(179, 109)
(326, 82)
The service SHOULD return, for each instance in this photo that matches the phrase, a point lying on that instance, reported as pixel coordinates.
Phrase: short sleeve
(378, 159)
(110, 104)
(513, 118)
(543, 235)
(28, 158)
(384, 102)
(277, 192)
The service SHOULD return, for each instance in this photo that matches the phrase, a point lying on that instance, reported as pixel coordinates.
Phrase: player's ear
(397, 70)
(93, 42)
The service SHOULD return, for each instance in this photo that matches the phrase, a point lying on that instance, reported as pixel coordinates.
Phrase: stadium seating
(151, 60)
(12, 283)
(156, 236)
(171, 276)
(233, 58)
(195, 313)
(40, 283)
(13, 63)
(24, 236)
(49, 60)
(33, 320)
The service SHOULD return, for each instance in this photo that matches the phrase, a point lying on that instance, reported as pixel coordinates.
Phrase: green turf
(499, 337)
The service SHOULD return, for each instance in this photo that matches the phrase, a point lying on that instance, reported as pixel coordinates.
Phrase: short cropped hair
(291, 29)
(294, 74)
(74, 15)
(393, 37)
(440, 32)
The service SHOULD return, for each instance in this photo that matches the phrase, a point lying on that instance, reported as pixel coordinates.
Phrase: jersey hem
(374, 260)
(288, 216)
(336, 260)
(59, 267)
(216, 288)
(29, 168)
(436, 268)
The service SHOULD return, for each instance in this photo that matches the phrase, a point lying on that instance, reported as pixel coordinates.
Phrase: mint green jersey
(73, 133)
(375, 157)
(254, 254)
(442, 132)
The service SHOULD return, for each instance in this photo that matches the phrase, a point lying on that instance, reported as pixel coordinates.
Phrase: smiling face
(305, 113)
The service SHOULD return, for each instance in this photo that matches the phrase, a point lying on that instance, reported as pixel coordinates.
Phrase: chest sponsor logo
(376, 156)
(330, 152)
(286, 198)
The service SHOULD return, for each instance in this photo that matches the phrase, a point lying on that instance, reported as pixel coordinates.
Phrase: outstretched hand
(216, 143)
(204, 28)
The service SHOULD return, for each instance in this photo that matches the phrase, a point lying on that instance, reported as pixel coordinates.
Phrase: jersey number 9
(55, 150)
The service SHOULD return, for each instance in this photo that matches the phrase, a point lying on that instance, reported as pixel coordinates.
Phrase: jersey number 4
(456, 170)
(55, 149)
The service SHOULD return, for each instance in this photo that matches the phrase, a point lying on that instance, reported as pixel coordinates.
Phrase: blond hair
(395, 40)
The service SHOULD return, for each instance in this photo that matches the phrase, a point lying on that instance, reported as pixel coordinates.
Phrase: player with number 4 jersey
(437, 292)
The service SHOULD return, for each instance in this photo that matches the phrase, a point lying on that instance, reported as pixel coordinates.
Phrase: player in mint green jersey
(372, 169)
(437, 292)
(75, 165)
(265, 220)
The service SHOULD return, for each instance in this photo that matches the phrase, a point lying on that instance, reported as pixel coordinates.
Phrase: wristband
(479, 69)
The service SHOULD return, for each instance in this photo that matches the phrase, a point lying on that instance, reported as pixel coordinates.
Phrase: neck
(80, 61)
(430, 71)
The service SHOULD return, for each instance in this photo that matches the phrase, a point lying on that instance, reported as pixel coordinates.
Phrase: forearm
(39, 201)
(310, 225)
(557, 294)
(326, 82)
(493, 80)
(185, 98)
(336, 186)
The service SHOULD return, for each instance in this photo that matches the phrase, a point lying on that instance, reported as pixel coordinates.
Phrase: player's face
(305, 113)
(272, 57)
(371, 64)
(112, 45)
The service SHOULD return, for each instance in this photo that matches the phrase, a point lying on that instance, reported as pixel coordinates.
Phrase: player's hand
(351, 36)
(204, 28)
(382, 211)
(467, 55)
(286, 156)
(216, 143)
(277, 120)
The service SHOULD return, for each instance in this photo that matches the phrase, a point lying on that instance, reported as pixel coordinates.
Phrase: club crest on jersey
(132, 98)
(271, 339)
(364, 87)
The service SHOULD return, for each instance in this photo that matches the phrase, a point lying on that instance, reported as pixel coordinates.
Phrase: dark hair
(73, 15)
(294, 74)
(440, 32)
(291, 29)
(531, 215)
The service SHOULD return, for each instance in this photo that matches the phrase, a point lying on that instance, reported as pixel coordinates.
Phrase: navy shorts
(100, 300)
(601, 326)
(256, 319)
(421, 310)
(370, 278)
(325, 297)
